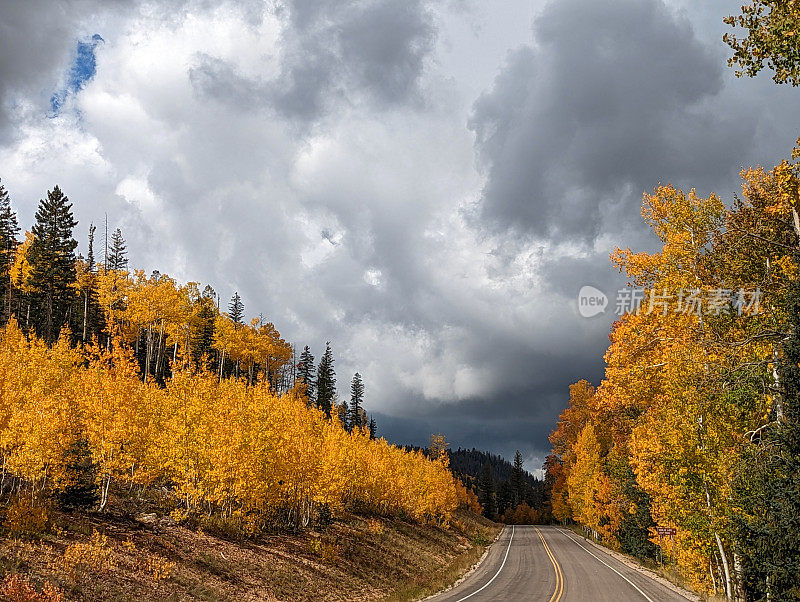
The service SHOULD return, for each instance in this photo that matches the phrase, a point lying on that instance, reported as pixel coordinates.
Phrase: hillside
(491, 478)
(148, 557)
(471, 462)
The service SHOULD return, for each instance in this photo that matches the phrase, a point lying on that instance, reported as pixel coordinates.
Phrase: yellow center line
(559, 575)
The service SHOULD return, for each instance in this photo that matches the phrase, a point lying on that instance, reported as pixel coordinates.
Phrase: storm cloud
(610, 99)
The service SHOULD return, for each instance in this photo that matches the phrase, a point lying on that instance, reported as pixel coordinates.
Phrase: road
(553, 565)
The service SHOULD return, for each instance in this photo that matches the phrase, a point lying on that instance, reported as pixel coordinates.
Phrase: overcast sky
(426, 184)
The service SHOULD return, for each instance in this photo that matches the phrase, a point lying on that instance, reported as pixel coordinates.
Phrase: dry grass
(356, 558)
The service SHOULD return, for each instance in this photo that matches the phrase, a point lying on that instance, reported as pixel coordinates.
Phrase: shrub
(23, 518)
(375, 526)
(96, 554)
(326, 550)
(159, 567)
(18, 588)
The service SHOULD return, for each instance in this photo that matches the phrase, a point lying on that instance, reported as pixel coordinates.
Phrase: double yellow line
(559, 576)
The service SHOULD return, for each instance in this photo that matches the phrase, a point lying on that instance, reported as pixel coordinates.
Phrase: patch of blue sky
(82, 70)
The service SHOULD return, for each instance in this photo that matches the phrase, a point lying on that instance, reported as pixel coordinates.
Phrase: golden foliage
(23, 518)
(216, 444)
(668, 420)
(96, 555)
(159, 567)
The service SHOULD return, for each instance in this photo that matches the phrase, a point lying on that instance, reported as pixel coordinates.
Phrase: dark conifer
(236, 309)
(52, 258)
(9, 229)
(354, 417)
(517, 480)
(118, 255)
(203, 334)
(326, 381)
(78, 489)
(486, 492)
(767, 490)
(306, 374)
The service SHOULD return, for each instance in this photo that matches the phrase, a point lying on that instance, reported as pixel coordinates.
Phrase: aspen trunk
(725, 567)
(738, 572)
(148, 352)
(159, 352)
(776, 381)
(85, 313)
(104, 485)
(713, 577)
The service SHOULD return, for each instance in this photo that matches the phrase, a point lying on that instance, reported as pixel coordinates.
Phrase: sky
(426, 184)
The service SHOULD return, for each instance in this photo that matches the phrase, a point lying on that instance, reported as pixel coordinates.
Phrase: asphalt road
(553, 565)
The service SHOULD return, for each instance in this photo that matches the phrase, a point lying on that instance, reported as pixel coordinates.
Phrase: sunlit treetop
(772, 40)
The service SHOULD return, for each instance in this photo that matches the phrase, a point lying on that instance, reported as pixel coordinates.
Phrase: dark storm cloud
(334, 51)
(611, 99)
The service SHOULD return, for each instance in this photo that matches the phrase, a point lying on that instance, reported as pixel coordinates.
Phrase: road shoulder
(469, 572)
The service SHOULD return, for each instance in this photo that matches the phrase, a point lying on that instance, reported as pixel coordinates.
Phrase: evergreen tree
(305, 373)
(326, 381)
(504, 497)
(634, 531)
(373, 428)
(486, 492)
(52, 258)
(236, 309)
(9, 229)
(203, 334)
(78, 489)
(517, 480)
(766, 526)
(355, 419)
(118, 257)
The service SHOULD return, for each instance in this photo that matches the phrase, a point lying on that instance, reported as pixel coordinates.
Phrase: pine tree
(373, 428)
(118, 258)
(486, 492)
(305, 374)
(326, 381)
(203, 334)
(354, 418)
(78, 489)
(236, 309)
(52, 258)
(9, 229)
(517, 480)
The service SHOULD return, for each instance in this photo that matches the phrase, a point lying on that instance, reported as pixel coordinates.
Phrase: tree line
(696, 424)
(118, 383)
(47, 288)
(506, 491)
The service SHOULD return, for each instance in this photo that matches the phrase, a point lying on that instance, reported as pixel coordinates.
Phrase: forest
(696, 424)
(506, 491)
(118, 384)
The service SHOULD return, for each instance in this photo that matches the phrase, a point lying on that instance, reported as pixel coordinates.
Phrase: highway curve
(553, 565)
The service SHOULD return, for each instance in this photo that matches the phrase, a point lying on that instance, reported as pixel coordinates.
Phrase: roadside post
(670, 532)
